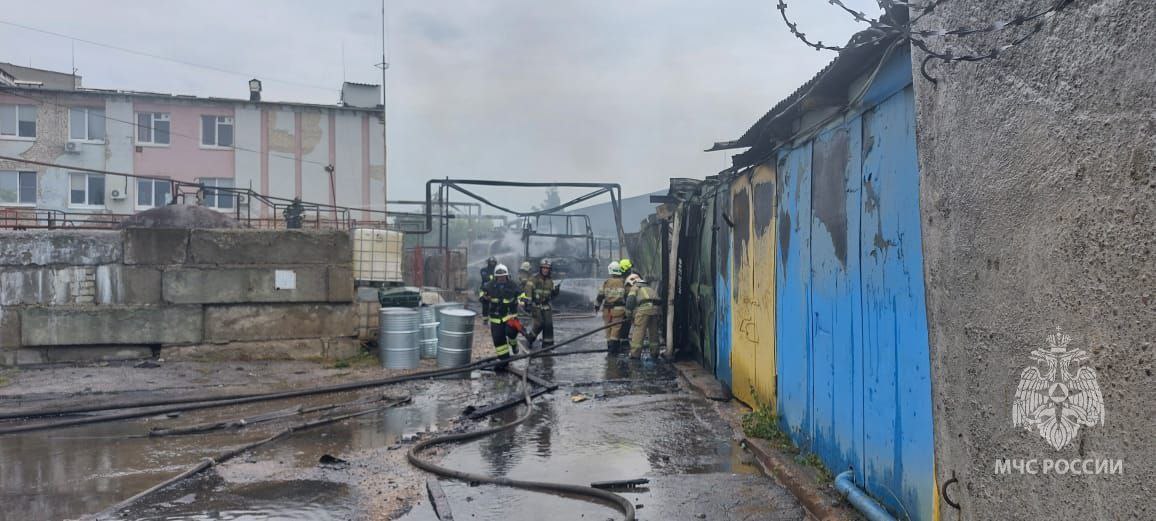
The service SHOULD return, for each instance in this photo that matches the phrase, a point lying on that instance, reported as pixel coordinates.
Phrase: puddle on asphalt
(208, 499)
(634, 423)
(71, 472)
(634, 426)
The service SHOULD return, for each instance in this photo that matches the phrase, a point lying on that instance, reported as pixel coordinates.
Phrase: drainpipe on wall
(871, 510)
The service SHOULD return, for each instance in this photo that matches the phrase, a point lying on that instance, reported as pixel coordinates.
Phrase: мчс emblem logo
(1061, 398)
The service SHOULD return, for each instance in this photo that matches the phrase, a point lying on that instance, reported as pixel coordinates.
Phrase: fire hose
(225, 401)
(620, 503)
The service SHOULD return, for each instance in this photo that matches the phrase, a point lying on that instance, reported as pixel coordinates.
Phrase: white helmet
(501, 270)
(614, 268)
(633, 279)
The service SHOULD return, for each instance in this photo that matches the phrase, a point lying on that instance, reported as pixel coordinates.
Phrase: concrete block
(30, 357)
(60, 247)
(8, 358)
(109, 325)
(270, 247)
(293, 349)
(340, 284)
(9, 328)
(277, 321)
(367, 294)
(241, 285)
(95, 353)
(139, 286)
(155, 245)
(43, 285)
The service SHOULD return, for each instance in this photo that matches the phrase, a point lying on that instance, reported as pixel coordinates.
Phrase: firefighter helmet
(614, 268)
(545, 264)
(525, 266)
(625, 264)
(501, 271)
(492, 261)
(633, 279)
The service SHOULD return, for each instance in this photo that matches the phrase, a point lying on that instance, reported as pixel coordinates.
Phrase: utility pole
(384, 131)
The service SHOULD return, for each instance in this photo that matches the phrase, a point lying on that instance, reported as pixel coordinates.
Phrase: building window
(17, 188)
(86, 124)
(215, 198)
(153, 128)
(18, 121)
(151, 193)
(86, 189)
(216, 131)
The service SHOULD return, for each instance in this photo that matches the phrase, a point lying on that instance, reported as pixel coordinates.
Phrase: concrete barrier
(241, 285)
(60, 248)
(277, 321)
(268, 246)
(108, 325)
(155, 246)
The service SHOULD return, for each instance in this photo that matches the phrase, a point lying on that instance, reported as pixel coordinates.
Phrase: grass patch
(812, 460)
(361, 360)
(763, 423)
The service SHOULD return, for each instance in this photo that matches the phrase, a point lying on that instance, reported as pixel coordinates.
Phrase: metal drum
(439, 308)
(428, 335)
(397, 338)
(455, 338)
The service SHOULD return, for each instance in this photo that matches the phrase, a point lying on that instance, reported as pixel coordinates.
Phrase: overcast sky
(608, 91)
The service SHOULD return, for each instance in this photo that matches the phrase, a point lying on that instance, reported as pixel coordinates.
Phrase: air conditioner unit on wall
(116, 195)
(72, 147)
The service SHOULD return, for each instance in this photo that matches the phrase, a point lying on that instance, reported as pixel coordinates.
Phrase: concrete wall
(282, 151)
(184, 158)
(348, 165)
(100, 294)
(1038, 205)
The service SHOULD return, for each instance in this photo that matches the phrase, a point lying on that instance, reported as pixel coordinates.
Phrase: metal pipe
(870, 509)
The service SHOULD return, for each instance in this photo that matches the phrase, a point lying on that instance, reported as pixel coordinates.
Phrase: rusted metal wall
(752, 357)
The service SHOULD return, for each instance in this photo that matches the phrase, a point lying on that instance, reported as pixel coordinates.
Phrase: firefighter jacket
(641, 297)
(612, 293)
(540, 290)
(502, 298)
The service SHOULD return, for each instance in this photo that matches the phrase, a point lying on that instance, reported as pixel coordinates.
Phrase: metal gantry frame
(446, 184)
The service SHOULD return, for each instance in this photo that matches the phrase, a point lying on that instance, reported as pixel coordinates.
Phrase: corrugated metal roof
(829, 84)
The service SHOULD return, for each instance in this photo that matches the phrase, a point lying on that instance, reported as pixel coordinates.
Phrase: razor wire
(884, 28)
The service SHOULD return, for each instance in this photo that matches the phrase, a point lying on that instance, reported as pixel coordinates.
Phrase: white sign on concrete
(284, 279)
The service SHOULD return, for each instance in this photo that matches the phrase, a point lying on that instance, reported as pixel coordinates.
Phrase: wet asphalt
(611, 419)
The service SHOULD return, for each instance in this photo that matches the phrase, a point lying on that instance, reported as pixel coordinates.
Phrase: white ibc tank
(377, 255)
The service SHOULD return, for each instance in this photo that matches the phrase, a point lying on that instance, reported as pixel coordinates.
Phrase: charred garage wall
(1038, 208)
(91, 295)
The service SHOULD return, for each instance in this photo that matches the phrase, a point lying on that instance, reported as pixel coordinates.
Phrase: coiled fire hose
(620, 503)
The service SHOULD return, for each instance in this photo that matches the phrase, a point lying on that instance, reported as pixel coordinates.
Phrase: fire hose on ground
(225, 401)
(620, 503)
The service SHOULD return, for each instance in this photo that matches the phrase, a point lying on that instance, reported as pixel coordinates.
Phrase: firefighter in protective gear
(643, 304)
(524, 277)
(502, 295)
(539, 291)
(624, 330)
(487, 274)
(611, 300)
